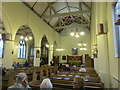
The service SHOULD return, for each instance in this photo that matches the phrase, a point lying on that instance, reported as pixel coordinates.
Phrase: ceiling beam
(61, 9)
(73, 7)
(68, 13)
(62, 21)
(54, 9)
(80, 6)
(68, 6)
(46, 9)
(72, 26)
(86, 5)
(83, 17)
(34, 5)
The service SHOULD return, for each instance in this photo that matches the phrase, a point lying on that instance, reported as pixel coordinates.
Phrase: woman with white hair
(82, 69)
(46, 84)
(21, 83)
(74, 68)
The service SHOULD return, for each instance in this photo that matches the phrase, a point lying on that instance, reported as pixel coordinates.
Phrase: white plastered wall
(113, 61)
(106, 64)
(16, 17)
(68, 42)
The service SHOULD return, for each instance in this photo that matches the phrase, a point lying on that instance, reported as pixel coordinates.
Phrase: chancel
(60, 41)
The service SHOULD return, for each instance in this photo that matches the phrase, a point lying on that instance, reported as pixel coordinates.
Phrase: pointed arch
(24, 39)
(22, 49)
(44, 50)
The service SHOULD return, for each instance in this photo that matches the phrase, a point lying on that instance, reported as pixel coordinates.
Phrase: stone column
(36, 56)
(94, 31)
(102, 44)
(50, 54)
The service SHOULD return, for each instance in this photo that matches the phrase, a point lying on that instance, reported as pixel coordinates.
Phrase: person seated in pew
(74, 68)
(14, 65)
(52, 63)
(66, 68)
(78, 83)
(60, 67)
(21, 83)
(82, 69)
(40, 61)
(26, 64)
(46, 84)
(18, 64)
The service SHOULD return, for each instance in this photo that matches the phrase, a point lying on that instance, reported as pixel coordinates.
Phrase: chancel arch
(55, 53)
(44, 50)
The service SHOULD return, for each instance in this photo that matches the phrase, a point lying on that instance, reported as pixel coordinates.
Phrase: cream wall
(94, 31)
(106, 64)
(113, 61)
(68, 42)
(14, 16)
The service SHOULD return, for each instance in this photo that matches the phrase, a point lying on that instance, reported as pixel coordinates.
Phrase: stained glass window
(1, 46)
(22, 49)
(117, 29)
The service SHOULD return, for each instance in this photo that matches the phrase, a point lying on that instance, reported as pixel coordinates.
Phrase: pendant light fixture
(76, 33)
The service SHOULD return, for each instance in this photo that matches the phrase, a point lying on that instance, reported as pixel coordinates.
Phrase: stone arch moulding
(31, 28)
(44, 50)
(6, 22)
(7, 34)
(46, 38)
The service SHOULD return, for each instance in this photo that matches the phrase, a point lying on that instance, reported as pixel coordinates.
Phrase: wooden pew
(44, 71)
(33, 74)
(29, 76)
(65, 79)
(68, 84)
(7, 81)
(101, 85)
(75, 72)
(81, 74)
(88, 79)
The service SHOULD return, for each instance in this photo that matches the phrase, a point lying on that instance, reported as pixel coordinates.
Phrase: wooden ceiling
(61, 15)
(24, 30)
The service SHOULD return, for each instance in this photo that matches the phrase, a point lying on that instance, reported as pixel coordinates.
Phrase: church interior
(55, 40)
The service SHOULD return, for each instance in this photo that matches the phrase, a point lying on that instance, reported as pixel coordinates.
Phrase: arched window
(1, 46)
(22, 49)
(117, 28)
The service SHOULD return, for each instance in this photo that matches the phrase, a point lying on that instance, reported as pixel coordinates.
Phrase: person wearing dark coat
(26, 64)
(67, 68)
(52, 63)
